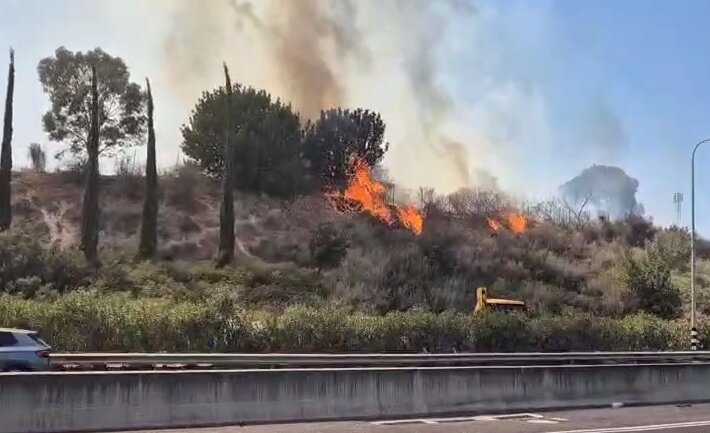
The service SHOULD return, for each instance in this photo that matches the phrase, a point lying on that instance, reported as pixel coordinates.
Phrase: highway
(659, 419)
(114, 392)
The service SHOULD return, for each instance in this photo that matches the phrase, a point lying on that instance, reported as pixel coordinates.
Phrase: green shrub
(649, 282)
(328, 247)
(26, 265)
(95, 321)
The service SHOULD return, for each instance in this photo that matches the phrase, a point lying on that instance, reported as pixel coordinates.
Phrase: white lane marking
(456, 419)
(528, 417)
(640, 428)
(509, 416)
(397, 421)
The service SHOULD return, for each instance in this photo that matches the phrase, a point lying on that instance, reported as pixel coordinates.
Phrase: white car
(22, 350)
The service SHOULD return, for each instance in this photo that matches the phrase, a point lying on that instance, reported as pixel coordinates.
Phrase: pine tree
(226, 211)
(149, 223)
(90, 207)
(6, 155)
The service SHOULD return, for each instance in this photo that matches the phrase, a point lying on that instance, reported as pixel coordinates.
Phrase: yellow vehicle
(484, 303)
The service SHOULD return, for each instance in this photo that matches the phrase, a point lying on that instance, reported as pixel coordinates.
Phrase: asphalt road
(659, 419)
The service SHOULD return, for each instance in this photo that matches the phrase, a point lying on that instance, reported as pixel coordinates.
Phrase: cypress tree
(90, 214)
(6, 155)
(149, 223)
(226, 211)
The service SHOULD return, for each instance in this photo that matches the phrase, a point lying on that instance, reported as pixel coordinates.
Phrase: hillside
(304, 250)
(188, 220)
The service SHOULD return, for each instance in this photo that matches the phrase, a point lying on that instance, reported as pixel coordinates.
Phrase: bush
(649, 282)
(85, 321)
(328, 247)
(637, 230)
(26, 265)
(90, 321)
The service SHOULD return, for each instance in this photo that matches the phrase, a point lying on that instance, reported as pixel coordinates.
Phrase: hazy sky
(536, 91)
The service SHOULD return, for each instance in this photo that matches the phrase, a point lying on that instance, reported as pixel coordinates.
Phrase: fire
(517, 223)
(369, 195)
(514, 221)
(368, 192)
(411, 218)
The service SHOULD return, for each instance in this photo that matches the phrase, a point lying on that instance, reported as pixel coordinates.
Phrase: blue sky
(633, 74)
(649, 59)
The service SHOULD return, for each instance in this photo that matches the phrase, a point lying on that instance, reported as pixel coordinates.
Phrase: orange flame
(517, 223)
(514, 221)
(369, 196)
(411, 218)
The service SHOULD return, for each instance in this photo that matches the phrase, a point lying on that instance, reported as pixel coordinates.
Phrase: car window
(38, 340)
(7, 339)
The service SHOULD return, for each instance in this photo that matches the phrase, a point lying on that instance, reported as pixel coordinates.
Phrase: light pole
(693, 329)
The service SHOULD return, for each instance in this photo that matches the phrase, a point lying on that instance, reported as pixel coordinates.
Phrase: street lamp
(693, 329)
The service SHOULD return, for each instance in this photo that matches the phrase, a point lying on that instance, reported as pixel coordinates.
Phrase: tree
(649, 283)
(339, 135)
(328, 247)
(38, 157)
(90, 207)
(268, 140)
(6, 154)
(606, 189)
(149, 222)
(226, 210)
(67, 78)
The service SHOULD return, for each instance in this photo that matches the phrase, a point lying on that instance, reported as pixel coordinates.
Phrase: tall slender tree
(226, 211)
(149, 223)
(90, 214)
(6, 155)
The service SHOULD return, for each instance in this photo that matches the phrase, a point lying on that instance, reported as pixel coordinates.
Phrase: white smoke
(454, 104)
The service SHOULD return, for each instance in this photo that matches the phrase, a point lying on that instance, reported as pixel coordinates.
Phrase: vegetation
(328, 247)
(121, 122)
(90, 205)
(310, 274)
(88, 322)
(337, 137)
(649, 281)
(149, 221)
(274, 154)
(319, 281)
(267, 142)
(6, 153)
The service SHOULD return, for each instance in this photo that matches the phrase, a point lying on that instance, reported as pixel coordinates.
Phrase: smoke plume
(604, 133)
(386, 55)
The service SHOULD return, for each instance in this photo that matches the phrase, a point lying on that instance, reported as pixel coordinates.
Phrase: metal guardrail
(99, 361)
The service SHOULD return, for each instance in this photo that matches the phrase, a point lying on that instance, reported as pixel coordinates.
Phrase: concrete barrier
(86, 401)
